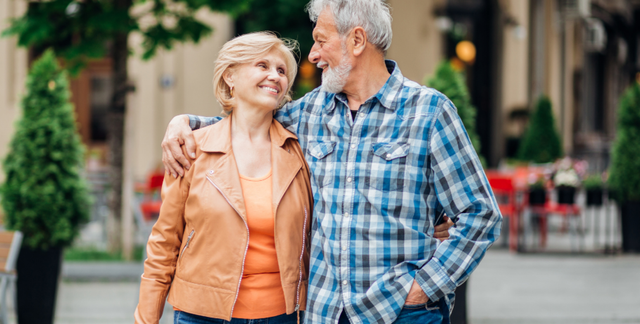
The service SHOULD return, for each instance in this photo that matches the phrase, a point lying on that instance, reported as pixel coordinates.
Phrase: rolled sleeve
(197, 122)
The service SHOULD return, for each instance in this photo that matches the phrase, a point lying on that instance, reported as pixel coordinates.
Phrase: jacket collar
(224, 173)
(218, 139)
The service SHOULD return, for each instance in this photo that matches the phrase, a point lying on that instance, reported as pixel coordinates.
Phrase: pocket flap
(321, 149)
(390, 151)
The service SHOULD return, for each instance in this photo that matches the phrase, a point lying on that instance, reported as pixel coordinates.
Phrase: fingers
(441, 232)
(178, 133)
(170, 164)
(190, 145)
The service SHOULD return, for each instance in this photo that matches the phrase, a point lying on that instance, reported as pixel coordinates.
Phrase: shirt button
(388, 156)
(344, 282)
(349, 179)
(353, 146)
(346, 214)
(344, 248)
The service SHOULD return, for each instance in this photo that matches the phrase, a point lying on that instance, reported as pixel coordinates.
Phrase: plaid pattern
(379, 183)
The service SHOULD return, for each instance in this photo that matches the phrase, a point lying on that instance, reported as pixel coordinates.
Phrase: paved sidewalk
(505, 289)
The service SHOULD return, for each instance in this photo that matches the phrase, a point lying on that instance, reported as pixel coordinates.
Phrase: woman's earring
(231, 91)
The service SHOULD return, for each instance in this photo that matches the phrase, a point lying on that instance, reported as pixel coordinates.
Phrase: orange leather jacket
(198, 245)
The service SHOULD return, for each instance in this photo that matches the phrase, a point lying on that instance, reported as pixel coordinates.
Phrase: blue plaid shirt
(380, 182)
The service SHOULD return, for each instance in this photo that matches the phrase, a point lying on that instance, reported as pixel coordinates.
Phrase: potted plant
(594, 188)
(537, 191)
(44, 195)
(566, 180)
(624, 177)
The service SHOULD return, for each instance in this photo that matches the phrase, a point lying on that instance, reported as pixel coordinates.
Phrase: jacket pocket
(186, 245)
(389, 162)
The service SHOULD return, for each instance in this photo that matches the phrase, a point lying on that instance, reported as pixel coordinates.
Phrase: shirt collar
(388, 93)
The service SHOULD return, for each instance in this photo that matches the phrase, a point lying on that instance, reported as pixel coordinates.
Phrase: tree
(451, 84)
(286, 17)
(44, 195)
(541, 142)
(625, 158)
(81, 30)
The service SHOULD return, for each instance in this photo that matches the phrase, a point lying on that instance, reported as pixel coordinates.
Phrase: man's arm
(180, 132)
(464, 192)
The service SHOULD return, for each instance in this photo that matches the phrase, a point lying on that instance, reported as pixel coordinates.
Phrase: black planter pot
(566, 195)
(537, 197)
(594, 197)
(38, 274)
(630, 214)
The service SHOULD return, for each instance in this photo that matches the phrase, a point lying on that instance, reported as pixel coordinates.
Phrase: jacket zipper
(187, 245)
(245, 249)
(304, 236)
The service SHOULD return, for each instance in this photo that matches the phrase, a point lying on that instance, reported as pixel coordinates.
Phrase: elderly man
(388, 158)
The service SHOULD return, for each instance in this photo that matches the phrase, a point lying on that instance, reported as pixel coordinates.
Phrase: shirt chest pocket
(321, 162)
(388, 166)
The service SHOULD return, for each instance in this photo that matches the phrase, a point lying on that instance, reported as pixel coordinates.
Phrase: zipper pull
(297, 308)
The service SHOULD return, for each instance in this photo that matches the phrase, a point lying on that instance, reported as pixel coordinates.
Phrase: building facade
(580, 53)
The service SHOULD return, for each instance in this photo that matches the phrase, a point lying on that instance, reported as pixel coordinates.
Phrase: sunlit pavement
(506, 288)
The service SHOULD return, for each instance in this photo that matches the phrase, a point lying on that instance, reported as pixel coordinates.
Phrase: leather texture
(197, 247)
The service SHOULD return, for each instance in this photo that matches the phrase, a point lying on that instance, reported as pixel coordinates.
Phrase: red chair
(567, 211)
(151, 201)
(505, 193)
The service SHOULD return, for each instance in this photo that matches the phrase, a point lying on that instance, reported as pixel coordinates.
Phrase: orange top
(260, 293)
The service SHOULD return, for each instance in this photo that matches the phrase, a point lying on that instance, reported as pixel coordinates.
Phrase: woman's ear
(228, 78)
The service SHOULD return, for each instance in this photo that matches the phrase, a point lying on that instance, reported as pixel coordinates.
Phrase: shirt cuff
(194, 122)
(434, 280)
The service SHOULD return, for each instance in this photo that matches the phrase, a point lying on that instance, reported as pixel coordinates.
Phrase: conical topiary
(541, 142)
(44, 195)
(624, 177)
(451, 84)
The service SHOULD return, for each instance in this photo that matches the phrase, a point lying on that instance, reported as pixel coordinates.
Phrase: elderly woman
(231, 242)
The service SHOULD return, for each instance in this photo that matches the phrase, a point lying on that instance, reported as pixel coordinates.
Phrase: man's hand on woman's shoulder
(178, 133)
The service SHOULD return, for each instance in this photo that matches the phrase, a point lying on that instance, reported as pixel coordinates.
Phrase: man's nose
(314, 56)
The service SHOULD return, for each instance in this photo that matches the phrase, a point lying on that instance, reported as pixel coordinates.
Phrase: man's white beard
(334, 79)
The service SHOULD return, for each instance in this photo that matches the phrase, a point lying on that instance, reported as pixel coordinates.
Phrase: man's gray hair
(372, 15)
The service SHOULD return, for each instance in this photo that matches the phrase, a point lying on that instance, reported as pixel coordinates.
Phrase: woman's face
(262, 83)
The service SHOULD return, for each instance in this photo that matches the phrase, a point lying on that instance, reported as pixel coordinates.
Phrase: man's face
(329, 52)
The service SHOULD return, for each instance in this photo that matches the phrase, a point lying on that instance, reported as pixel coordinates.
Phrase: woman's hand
(178, 133)
(442, 230)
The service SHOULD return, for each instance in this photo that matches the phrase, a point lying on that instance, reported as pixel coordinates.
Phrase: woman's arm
(162, 250)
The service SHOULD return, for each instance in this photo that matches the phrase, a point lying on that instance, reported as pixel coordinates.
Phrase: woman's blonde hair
(246, 49)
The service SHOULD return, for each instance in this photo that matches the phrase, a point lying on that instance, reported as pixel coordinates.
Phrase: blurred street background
(545, 88)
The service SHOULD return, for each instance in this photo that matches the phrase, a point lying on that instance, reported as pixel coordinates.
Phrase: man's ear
(358, 40)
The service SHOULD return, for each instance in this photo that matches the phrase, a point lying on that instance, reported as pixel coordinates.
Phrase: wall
(417, 42)
(13, 64)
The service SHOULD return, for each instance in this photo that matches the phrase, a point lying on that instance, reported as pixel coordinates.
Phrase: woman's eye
(281, 71)
(262, 65)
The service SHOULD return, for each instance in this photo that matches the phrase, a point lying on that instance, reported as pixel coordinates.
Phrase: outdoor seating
(9, 249)
(146, 205)
(506, 196)
(151, 202)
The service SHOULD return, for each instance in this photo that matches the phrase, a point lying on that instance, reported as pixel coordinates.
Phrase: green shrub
(624, 178)
(593, 182)
(44, 195)
(541, 142)
(451, 84)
